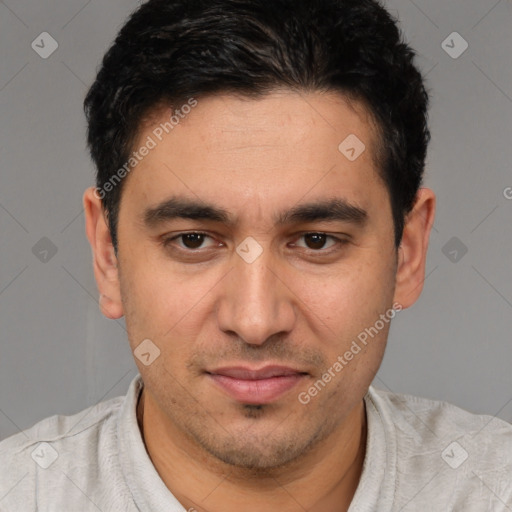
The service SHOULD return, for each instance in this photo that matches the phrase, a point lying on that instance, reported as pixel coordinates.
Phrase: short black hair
(172, 50)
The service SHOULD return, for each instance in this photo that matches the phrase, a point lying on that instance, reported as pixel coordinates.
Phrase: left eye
(317, 241)
(189, 240)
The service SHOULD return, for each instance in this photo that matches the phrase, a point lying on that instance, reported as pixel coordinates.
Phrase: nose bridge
(256, 304)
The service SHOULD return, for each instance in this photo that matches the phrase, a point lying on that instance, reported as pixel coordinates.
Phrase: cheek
(350, 299)
(343, 311)
(165, 306)
(154, 292)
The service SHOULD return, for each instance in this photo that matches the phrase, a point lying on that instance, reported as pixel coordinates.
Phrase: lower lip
(261, 391)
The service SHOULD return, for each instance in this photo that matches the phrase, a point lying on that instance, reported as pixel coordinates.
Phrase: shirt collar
(147, 488)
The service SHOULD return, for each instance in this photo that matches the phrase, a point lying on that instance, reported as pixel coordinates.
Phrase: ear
(104, 258)
(412, 253)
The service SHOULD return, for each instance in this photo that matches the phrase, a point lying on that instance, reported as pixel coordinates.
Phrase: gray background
(59, 355)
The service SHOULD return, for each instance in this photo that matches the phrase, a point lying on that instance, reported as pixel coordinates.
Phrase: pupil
(318, 240)
(193, 240)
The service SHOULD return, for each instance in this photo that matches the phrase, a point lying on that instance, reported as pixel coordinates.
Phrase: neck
(323, 480)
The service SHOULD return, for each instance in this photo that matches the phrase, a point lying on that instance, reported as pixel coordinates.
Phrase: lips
(256, 386)
(266, 372)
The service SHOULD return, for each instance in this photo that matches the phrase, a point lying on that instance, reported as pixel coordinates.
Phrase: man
(259, 219)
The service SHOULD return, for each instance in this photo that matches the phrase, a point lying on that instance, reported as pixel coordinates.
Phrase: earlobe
(104, 257)
(109, 308)
(412, 252)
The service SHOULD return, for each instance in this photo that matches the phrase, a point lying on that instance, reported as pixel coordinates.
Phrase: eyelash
(166, 242)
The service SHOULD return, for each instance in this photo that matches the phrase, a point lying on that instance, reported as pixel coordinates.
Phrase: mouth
(256, 386)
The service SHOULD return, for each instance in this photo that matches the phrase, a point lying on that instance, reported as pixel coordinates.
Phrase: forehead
(239, 151)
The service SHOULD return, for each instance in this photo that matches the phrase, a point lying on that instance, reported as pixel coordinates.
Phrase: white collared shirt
(421, 455)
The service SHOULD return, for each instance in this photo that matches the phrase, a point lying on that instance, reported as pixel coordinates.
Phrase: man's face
(258, 288)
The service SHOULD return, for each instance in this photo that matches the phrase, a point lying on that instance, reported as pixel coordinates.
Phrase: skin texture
(301, 303)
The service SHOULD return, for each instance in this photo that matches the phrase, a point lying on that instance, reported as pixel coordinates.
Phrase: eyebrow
(181, 208)
(336, 209)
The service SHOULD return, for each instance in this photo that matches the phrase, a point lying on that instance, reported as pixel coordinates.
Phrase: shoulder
(62, 428)
(413, 414)
(52, 449)
(464, 457)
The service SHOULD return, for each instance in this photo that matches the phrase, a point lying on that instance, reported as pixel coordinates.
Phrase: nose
(256, 301)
